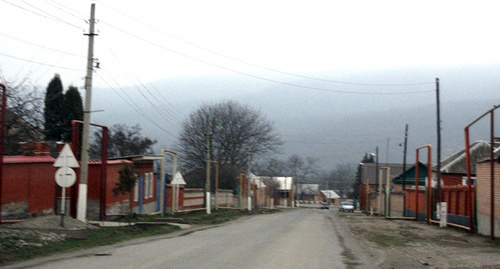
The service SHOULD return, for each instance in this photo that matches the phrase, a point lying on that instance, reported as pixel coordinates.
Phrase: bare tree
(270, 169)
(232, 131)
(24, 115)
(340, 179)
(302, 170)
(123, 141)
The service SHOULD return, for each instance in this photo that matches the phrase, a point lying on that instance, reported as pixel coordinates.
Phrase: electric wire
(62, 8)
(41, 46)
(260, 77)
(39, 63)
(264, 67)
(165, 111)
(136, 109)
(48, 16)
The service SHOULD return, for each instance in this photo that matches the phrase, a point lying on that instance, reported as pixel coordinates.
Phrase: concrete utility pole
(2, 138)
(438, 116)
(249, 201)
(207, 184)
(82, 188)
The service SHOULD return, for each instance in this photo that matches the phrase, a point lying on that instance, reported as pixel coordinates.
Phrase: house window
(464, 181)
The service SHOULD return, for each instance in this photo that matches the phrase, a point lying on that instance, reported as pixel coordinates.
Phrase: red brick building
(484, 198)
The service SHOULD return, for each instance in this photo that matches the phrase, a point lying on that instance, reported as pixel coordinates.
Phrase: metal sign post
(65, 176)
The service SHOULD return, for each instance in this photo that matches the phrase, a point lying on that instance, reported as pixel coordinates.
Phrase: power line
(62, 8)
(41, 46)
(136, 109)
(39, 63)
(260, 77)
(47, 16)
(267, 68)
(141, 84)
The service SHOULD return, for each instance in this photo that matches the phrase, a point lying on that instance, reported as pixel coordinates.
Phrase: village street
(303, 238)
(294, 238)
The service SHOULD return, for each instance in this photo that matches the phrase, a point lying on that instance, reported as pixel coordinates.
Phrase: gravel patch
(49, 222)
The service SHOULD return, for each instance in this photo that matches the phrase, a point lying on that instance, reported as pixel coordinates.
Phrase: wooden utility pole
(82, 188)
(404, 170)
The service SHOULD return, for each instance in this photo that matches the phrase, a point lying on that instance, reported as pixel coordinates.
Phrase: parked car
(325, 205)
(346, 207)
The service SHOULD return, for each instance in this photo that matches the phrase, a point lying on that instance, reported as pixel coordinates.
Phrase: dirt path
(412, 244)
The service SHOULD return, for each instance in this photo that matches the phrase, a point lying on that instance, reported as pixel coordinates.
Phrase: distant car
(346, 207)
(325, 205)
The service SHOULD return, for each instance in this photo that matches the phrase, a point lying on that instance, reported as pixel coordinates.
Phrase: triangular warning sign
(66, 158)
(178, 179)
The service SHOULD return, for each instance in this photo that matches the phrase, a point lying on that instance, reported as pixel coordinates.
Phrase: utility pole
(2, 138)
(207, 184)
(82, 188)
(377, 180)
(404, 170)
(438, 194)
(249, 201)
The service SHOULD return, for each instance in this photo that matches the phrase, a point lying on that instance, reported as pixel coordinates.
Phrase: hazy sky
(314, 51)
(149, 40)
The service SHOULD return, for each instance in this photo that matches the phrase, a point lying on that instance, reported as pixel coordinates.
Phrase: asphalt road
(296, 238)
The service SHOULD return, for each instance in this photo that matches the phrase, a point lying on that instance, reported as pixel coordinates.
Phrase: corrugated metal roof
(456, 163)
(330, 194)
(286, 183)
(308, 188)
(28, 159)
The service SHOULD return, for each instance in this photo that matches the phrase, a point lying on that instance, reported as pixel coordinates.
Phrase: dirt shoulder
(413, 244)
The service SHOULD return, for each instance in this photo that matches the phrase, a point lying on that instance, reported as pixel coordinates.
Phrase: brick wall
(484, 198)
(193, 198)
(225, 198)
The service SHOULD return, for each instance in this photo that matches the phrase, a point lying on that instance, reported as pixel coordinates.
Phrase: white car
(346, 207)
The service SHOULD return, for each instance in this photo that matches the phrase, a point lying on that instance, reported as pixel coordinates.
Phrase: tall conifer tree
(73, 110)
(53, 111)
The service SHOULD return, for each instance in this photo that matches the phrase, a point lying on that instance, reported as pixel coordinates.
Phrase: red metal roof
(28, 159)
(48, 159)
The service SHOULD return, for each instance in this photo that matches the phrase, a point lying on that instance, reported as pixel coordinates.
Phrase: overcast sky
(149, 40)
(313, 47)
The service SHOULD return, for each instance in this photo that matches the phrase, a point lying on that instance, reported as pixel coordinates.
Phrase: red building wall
(452, 179)
(29, 180)
(112, 178)
(456, 198)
